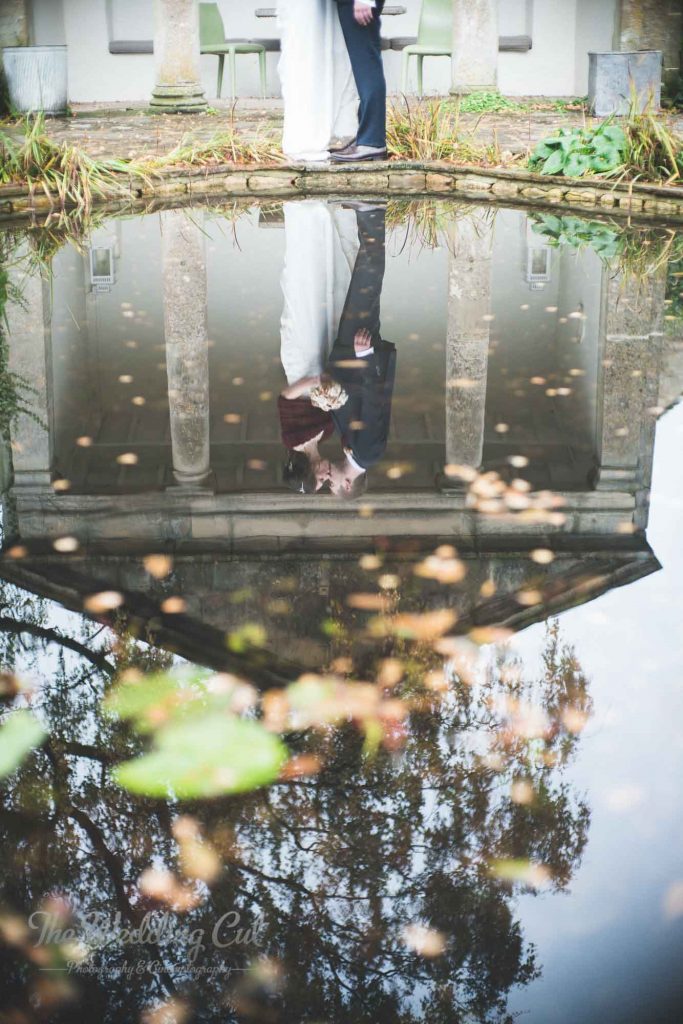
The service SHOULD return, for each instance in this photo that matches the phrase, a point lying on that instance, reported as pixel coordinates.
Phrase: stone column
(28, 340)
(14, 31)
(632, 349)
(475, 46)
(187, 343)
(467, 342)
(652, 25)
(178, 88)
(14, 23)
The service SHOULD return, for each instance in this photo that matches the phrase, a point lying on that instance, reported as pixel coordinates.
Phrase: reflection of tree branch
(111, 862)
(76, 749)
(9, 625)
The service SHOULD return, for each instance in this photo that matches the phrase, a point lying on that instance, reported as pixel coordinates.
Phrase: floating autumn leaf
(522, 792)
(158, 566)
(390, 672)
(466, 473)
(20, 733)
(300, 767)
(389, 581)
(463, 657)
(368, 602)
(370, 562)
(105, 601)
(173, 1011)
(318, 700)
(423, 626)
(444, 569)
(436, 682)
(198, 859)
(542, 556)
(250, 635)
(17, 551)
(489, 635)
(203, 757)
(427, 942)
(10, 685)
(574, 720)
(526, 872)
(528, 721)
(163, 886)
(65, 545)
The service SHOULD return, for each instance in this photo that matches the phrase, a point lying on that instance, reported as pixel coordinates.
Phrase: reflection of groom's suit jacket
(363, 421)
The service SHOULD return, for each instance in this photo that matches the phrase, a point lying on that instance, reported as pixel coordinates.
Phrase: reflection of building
(160, 403)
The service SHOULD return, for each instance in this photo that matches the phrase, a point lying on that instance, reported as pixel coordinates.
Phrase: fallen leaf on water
(300, 767)
(525, 871)
(158, 566)
(424, 941)
(105, 601)
(368, 602)
(426, 626)
(490, 635)
(163, 886)
(174, 1011)
(198, 859)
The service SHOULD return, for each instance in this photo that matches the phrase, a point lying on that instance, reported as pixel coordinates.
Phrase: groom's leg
(362, 305)
(365, 50)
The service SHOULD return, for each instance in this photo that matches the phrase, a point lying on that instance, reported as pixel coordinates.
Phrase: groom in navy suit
(360, 22)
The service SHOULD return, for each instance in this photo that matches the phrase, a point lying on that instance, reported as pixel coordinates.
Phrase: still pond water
(431, 447)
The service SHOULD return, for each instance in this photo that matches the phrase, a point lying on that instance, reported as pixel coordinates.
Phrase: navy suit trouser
(365, 50)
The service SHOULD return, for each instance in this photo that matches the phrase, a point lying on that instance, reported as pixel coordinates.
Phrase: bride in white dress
(318, 90)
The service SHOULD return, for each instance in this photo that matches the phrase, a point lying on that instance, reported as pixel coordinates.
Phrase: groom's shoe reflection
(363, 362)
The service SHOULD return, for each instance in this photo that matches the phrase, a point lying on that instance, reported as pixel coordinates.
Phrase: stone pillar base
(458, 89)
(182, 98)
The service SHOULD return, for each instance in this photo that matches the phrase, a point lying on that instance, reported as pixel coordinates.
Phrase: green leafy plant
(488, 103)
(574, 152)
(637, 252)
(430, 130)
(653, 151)
(577, 233)
(57, 168)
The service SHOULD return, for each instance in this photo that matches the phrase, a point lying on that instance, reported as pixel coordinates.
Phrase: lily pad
(151, 701)
(205, 757)
(20, 733)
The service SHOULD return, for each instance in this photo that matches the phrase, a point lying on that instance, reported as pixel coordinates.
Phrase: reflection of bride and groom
(332, 78)
(340, 371)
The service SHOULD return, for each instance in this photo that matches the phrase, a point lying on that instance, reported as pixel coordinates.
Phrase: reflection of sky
(608, 952)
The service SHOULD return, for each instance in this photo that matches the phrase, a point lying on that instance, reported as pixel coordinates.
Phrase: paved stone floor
(120, 131)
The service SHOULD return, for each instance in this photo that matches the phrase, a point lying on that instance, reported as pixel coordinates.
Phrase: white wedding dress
(318, 90)
(321, 245)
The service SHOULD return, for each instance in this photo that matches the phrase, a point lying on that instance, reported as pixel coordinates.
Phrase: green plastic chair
(434, 38)
(212, 40)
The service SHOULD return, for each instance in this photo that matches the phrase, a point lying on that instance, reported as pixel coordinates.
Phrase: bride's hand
(362, 13)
